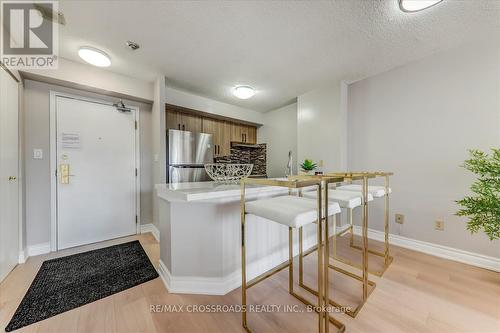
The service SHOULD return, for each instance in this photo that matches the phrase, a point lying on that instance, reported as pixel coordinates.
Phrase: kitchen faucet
(289, 165)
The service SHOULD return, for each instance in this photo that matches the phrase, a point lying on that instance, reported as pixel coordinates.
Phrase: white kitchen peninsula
(200, 240)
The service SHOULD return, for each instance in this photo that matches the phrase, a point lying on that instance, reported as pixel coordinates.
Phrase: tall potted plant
(483, 206)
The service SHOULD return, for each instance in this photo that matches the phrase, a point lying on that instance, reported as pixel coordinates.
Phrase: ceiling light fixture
(411, 6)
(243, 92)
(94, 56)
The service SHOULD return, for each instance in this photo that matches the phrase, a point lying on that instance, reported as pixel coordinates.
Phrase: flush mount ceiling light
(94, 56)
(243, 92)
(416, 5)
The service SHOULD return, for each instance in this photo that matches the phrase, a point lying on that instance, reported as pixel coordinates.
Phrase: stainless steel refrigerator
(187, 153)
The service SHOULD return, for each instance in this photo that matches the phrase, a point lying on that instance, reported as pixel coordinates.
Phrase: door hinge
(136, 219)
(136, 124)
(136, 172)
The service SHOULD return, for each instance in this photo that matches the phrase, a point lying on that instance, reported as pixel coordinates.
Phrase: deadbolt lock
(64, 169)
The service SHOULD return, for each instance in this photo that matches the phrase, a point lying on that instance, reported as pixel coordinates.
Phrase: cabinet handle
(217, 149)
(183, 127)
(178, 126)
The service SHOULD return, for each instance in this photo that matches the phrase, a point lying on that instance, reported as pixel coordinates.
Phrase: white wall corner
(150, 227)
(470, 258)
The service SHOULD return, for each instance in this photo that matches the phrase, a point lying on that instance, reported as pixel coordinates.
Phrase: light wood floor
(418, 293)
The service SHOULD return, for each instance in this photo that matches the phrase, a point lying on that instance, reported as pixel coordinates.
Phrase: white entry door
(9, 166)
(96, 172)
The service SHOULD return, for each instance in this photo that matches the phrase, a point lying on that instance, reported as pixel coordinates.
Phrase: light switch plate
(37, 154)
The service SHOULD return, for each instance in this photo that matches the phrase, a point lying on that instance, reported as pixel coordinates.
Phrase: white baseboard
(222, 285)
(37, 249)
(470, 258)
(22, 257)
(198, 285)
(150, 227)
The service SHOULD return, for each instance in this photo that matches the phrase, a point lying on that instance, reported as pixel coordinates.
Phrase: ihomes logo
(29, 35)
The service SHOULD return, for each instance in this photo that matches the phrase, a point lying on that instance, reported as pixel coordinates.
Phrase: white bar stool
(293, 212)
(348, 200)
(376, 192)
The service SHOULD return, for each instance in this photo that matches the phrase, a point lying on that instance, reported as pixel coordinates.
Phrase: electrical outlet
(400, 218)
(439, 225)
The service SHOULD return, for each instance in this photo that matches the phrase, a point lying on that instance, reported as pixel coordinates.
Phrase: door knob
(12, 178)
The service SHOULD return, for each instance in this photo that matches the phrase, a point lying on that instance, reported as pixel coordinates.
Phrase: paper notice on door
(70, 141)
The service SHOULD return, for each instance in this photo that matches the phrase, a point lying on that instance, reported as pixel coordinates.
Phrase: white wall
(280, 134)
(159, 141)
(189, 100)
(96, 79)
(321, 126)
(37, 172)
(418, 121)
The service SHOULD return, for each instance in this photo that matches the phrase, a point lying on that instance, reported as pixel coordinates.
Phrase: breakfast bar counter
(200, 239)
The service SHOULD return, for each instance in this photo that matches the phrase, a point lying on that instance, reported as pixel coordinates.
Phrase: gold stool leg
(301, 257)
(351, 236)
(386, 254)
(351, 313)
(326, 269)
(321, 312)
(365, 238)
(290, 260)
(386, 222)
(243, 262)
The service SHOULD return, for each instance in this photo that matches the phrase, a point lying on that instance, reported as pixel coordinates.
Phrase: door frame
(53, 161)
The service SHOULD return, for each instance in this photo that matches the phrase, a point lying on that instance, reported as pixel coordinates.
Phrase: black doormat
(66, 283)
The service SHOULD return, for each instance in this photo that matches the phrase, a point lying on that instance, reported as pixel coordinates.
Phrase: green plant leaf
(308, 165)
(483, 206)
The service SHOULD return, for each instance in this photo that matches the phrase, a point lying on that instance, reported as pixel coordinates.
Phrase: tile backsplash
(255, 155)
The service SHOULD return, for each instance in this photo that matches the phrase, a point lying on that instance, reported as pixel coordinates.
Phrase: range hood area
(245, 145)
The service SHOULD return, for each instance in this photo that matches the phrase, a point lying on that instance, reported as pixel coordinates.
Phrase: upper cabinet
(182, 121)
(223, 131)
(251, 135)
(243, 133)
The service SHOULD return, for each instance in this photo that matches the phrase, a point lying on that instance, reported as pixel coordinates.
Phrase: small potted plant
(308, 167)
(483, 206)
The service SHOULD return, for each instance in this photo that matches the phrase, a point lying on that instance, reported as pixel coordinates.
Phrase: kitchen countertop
(199, 191)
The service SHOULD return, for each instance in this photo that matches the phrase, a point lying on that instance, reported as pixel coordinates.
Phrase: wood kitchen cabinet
(221, 131)
(251, 134)
(224, 132)
(243, 133)
(182, 121)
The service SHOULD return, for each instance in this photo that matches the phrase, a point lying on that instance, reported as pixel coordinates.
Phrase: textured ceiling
(281, 48)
